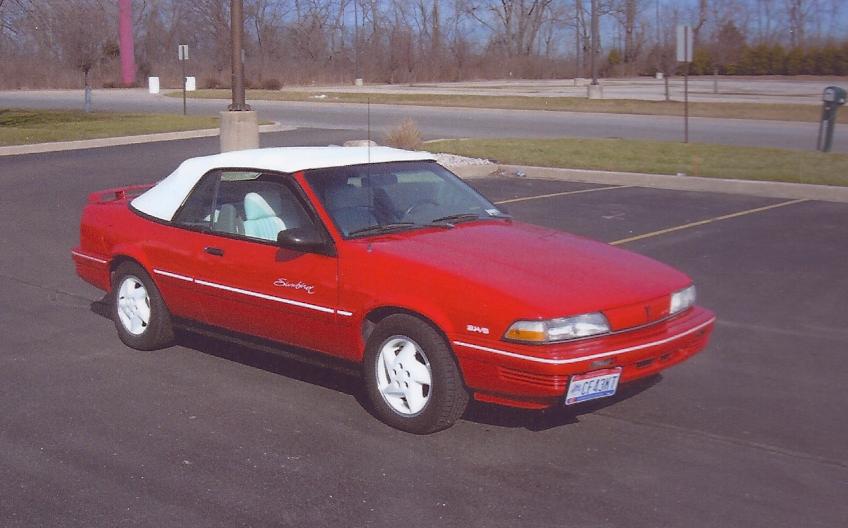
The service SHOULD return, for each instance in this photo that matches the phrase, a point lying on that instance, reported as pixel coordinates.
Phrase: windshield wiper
(456, 218)
(384, 228)
(468, 217)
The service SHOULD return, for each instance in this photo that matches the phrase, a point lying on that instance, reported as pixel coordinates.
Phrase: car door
(258, 287)
(174, 251)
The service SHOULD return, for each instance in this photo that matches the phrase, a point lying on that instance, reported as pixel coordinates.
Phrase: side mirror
(306, 239)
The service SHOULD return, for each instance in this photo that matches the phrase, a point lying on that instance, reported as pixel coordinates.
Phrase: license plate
(592, 385)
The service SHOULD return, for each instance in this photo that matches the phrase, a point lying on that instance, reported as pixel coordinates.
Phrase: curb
(56, 146)
(768, 189)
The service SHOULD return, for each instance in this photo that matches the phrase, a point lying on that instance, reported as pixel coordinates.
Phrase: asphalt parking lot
(751, 432)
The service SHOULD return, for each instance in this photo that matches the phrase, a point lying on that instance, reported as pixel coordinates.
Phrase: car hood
(552, 272)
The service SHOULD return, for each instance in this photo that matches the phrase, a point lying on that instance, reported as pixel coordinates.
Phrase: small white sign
(153, 85)
(684, 44)
(191, 84)
(182, 52)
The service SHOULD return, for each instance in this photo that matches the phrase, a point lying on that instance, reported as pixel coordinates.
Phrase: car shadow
(275, 359)
(541, 420)
(343, 377)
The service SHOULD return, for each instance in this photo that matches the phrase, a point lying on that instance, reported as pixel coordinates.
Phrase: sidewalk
(825, 193)
(38, 148)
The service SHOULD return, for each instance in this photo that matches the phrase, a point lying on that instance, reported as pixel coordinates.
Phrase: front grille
(538, 380)
(644, 363)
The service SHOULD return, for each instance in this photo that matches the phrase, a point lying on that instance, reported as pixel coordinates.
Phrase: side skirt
(301, 355)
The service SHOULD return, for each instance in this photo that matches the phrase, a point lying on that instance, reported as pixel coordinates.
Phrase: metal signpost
(182, 54)
(684, 54)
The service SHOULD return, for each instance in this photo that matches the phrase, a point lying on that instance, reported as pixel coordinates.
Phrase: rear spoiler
(118, 193)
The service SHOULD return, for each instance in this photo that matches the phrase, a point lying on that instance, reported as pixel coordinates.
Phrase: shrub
(795, 62)
(212, 83)
(405, 136)
(614, 57)
(271, 84)
(702, 63)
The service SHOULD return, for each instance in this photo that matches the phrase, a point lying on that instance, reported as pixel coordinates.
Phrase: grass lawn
(19, 127)
(781, 112)
(659, 157)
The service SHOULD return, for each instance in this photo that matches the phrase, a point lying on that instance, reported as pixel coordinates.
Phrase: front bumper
(537, 376)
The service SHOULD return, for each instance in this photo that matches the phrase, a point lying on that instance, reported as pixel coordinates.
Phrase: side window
(256, 206)
(198, 209)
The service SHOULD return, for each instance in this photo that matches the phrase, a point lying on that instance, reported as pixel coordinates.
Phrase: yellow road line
(707, 221)
(593, 189)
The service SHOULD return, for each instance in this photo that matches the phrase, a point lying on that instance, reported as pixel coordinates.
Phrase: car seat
(228, 221)
(350, 207)
(261, 220)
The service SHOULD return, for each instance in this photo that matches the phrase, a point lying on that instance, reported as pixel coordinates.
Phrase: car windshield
(389, 197)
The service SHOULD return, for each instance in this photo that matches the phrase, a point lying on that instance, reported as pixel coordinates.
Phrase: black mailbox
(833, 97)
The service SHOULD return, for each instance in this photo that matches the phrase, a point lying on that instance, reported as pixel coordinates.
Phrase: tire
(141, 317)
(411, 378)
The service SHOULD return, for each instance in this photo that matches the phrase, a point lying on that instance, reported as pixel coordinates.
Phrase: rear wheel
(141, 317)
(411, 377)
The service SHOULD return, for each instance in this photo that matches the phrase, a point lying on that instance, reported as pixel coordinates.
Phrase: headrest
(344, 196)
(261, 205)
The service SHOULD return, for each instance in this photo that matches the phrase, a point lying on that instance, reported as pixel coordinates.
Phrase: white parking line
(566, 193)
(707, 221)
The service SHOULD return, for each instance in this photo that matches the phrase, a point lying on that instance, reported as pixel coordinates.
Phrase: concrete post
(239, 131)
(595, 91)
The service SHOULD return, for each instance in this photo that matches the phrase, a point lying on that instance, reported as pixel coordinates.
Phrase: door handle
(218, 252)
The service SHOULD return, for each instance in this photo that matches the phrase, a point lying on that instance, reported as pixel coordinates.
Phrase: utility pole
(239, 124)
(594, 90)
(237, 31)
(357, 78)
(595, 44)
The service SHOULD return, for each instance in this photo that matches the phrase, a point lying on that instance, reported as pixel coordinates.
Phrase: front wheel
(141, 317)
(411, 377)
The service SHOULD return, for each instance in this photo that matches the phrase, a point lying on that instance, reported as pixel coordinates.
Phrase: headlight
(561, 329)
(681, 300)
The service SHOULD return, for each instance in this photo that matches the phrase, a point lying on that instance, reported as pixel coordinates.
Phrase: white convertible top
(163, 199)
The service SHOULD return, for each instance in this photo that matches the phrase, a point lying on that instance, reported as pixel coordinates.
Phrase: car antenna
(368, 111)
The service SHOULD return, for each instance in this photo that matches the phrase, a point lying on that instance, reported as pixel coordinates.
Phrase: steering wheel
(418, 205)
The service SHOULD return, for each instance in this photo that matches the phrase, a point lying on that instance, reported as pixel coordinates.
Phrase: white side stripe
(89, 257)
(263, 296)
(172, 275)
(584, 358)
(251, 293)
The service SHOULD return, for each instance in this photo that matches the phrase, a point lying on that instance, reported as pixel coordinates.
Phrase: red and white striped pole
(126, 42)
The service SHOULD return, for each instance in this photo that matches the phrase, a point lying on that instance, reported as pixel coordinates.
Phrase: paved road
(460, 122)
(701, 89)
(749, 433)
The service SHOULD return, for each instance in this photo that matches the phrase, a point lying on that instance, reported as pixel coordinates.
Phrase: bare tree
(64, 28)
(51, 42)
(797, 13)
(266, 19)
(514, 24)
(702, 16)
(625, 12)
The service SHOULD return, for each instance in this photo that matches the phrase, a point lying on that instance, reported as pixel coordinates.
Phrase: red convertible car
(385, 259)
